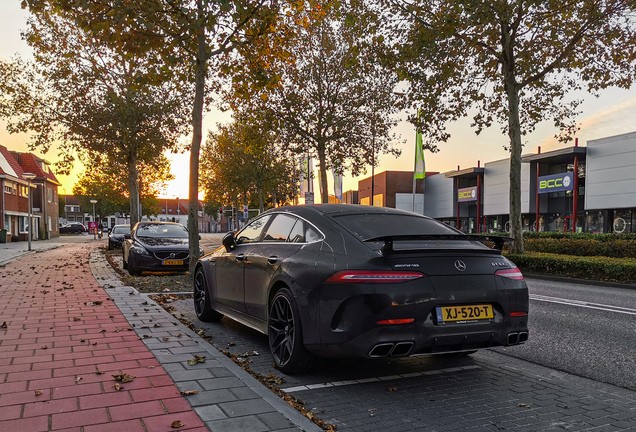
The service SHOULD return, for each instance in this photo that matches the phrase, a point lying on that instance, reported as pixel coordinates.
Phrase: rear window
(368, 226)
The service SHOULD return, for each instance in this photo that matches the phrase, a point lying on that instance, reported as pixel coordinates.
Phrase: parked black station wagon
(336, 280)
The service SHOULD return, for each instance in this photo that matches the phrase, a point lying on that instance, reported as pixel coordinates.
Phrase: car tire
(202, 306)
(110, 246)
(132, 268)
(286, 336)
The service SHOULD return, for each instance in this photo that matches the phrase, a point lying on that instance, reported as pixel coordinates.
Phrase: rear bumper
(413, 339)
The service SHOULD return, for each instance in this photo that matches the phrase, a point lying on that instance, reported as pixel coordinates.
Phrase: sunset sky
(613, 113)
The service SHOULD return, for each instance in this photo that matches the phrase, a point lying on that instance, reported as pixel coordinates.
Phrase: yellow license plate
(464, 313)
(172, 262)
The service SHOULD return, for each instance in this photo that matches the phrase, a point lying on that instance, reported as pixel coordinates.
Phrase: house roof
(9, 165)
(38, 166)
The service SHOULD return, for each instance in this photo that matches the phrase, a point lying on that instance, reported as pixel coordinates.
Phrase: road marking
(588, 305)
(378, 379)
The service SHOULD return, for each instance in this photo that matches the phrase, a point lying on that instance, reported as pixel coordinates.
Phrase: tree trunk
(514, 131)
(133, 189)
(322, 158)
(197, 133)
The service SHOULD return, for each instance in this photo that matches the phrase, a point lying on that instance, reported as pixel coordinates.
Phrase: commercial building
(576, 189)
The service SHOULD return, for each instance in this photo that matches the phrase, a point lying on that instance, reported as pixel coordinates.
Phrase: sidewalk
(71, 325)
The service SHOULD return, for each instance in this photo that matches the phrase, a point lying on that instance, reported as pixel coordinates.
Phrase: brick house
(45, 196)
(14, 204)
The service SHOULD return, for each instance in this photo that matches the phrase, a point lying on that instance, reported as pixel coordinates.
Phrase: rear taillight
(513, 273)
(371, 276)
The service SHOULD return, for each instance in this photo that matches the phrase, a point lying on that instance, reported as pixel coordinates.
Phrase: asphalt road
(586, 330)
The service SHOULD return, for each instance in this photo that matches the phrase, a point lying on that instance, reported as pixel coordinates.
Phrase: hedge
(582, 267)
(616, 248)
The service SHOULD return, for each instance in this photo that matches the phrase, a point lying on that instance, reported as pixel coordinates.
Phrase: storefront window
(622, 221)
(594, 222)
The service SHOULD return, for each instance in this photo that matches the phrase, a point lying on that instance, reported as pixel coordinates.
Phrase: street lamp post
(29, 177)
(94, 229)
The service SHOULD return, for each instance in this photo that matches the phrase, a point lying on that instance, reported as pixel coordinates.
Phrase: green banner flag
(420, 167)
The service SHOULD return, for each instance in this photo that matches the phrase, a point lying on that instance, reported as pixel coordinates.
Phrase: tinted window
(311, 234)
(367, 226)
(161, 231)
(252, 232)
(302, 232)
(297, 234)
(121, 229)
(279, 229)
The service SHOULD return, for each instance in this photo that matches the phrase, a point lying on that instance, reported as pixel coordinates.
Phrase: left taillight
(372, 276)
(513, 273)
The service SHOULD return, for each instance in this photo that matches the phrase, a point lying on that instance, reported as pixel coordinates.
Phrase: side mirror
(228, 241)
(127, 236)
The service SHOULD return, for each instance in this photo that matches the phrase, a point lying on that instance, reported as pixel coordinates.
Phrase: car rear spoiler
(499, 241)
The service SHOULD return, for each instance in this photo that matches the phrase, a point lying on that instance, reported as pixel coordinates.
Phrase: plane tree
(511, 63)
(244, 163)
(324, 86)
(106, 181)
(88, 96)
(190, 37)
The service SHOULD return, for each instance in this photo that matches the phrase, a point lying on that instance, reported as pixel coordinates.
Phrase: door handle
(240, 257)
(272, 260)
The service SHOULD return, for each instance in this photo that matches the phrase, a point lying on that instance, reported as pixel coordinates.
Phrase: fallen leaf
(77, 319)
(166, 339)
(78, 379)
(196, 359)
(124, 377)
(38, 392)
(4, 325)
(118, 386)
(176, 424)
(230, 344)
(44, 347)
(392, 389)
(189, 392)
(522, 405)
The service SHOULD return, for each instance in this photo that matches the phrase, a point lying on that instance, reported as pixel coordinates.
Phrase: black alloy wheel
(285, 335)
(202, 305)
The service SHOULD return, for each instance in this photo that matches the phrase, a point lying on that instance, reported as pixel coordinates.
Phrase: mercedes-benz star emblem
(460, 265)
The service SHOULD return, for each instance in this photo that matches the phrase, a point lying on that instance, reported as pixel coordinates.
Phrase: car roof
(341, 209)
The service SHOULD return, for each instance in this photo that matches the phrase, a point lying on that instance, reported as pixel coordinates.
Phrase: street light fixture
(94, 229)
(29, 177)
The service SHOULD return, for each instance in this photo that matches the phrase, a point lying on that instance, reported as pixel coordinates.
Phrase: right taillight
(513, 273)
(372, 276)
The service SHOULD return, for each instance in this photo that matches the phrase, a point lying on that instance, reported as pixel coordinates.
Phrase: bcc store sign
(556, 183)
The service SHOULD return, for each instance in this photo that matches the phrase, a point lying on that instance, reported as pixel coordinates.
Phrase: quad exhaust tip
(517, 338)
(392, 349)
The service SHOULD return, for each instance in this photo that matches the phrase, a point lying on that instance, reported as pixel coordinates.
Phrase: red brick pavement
(62, 340)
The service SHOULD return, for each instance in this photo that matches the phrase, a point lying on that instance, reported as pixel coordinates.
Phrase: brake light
(518, 314)
(397, 321)
(371, 276)
(513, 273)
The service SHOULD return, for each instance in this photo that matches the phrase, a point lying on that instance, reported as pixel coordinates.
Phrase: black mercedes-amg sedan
(335, 280)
